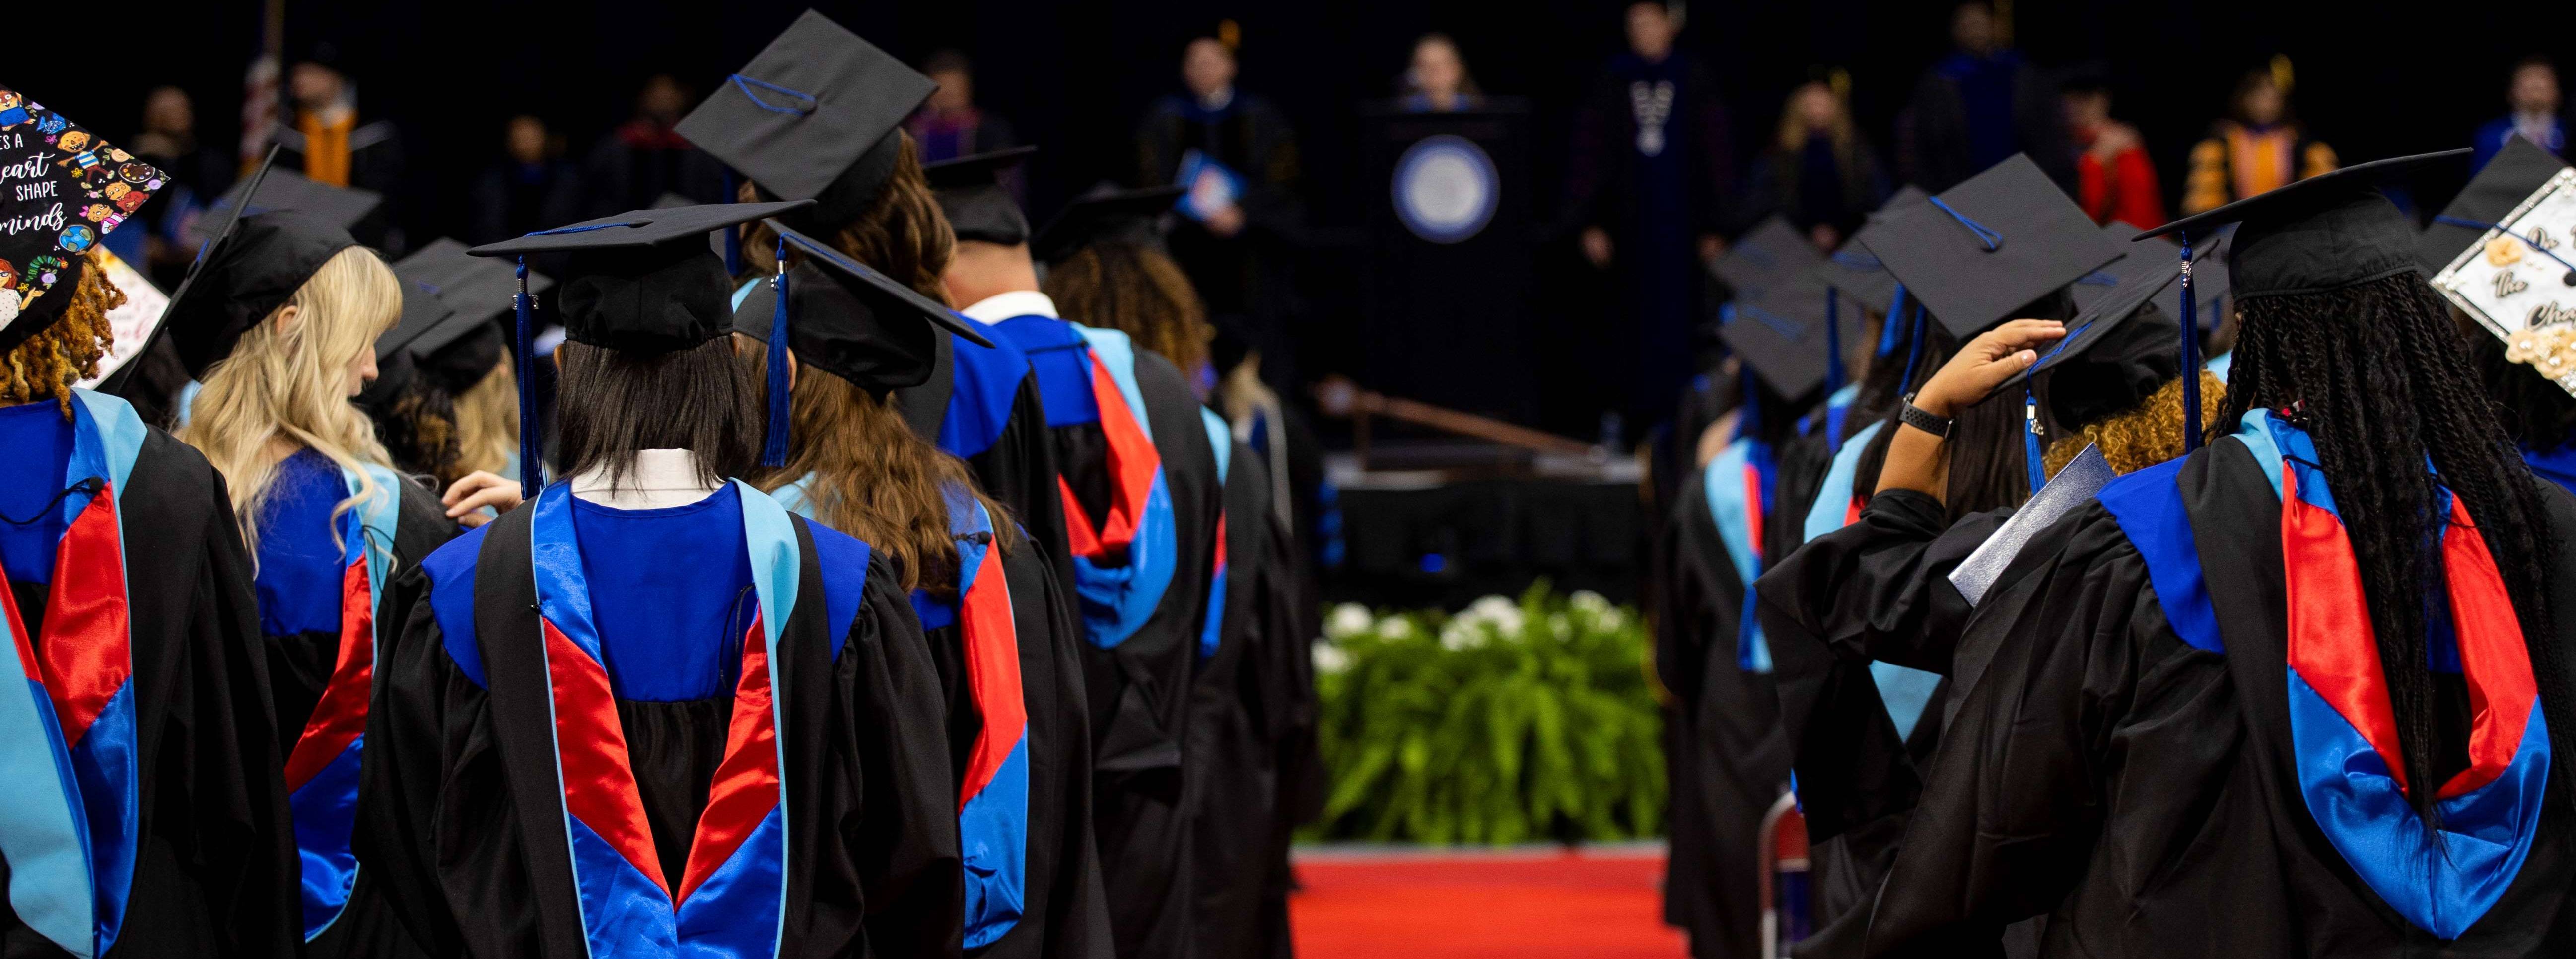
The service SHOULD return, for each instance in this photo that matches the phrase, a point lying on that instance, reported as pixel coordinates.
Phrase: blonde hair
(487, 421)
(1793, 126)
(286, 383)
(2143, 435)
(47, 364)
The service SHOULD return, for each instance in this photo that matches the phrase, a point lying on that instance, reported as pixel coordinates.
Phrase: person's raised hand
(466, 498)
(1985, 363)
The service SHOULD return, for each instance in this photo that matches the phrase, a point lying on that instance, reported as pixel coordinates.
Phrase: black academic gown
(1140, 691)
(299, 667)
(2140, 791)
(462, 811)
(1242, 713)
(1877, 589)
(215, 870)
(1726, 759)
(1065, 912)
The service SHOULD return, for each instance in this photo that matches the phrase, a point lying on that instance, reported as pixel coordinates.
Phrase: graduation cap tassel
(1833, 344)
(532, 468)
(2033, 457)
(2190, 354)
(1913, 352)
(773, 451)
(1894, 320)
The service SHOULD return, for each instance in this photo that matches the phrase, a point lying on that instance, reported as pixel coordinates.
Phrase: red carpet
(1435, 905)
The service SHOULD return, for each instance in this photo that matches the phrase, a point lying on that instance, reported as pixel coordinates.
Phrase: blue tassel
(532, 469)
(1833, 342)
(773, 452)
(2190, 354)
(2032, 456)
(1895, 318)
(1913, 352)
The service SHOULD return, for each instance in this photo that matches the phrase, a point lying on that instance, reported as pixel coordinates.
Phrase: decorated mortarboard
(1765, 256)
(1989, 246)
(2315, 235)
(2518, 171)
(1108, 216)
(846, 319)
(453, 333)
(1856, 272)
(637, 282)
(342, 208)
(1781, 334)
(817, 115)
(61, 190)
(979, 207)
(2517, 278)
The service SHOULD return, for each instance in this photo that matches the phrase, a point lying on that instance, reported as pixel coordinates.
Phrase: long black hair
(2382, 382)
(699, 399)
(2535, 412)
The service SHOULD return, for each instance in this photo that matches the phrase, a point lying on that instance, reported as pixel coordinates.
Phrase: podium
(1446, 310)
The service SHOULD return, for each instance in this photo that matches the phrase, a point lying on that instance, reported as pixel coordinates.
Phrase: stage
(1367, 902)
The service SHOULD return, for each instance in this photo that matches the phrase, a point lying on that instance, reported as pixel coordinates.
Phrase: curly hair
(47, 364)
(901, 233)
(2385, 384)
(2142, 435)
(1137, 290)
(419, 431)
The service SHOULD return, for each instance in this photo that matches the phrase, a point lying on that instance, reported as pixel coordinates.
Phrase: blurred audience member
(532, 187)
(197, 173)
(1649, 186)
(2115, 179)
(951, 125)
(1820, 173)
(2533, 97)
(1979, 106)
(326, 143)
(644, 160)
(1237, 156)
(2258, 147)
(1438, 81)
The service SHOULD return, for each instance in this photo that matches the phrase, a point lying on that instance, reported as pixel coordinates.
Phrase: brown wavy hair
(2143, 435)
(901, 233)
(1136, 290)
(869, 475)
(47, 364)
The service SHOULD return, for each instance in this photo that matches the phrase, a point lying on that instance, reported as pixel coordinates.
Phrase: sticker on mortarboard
(2519, 280)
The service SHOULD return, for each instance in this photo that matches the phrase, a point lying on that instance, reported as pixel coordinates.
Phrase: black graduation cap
(2518, 171)
(1857, 272)
(1766, 256)
(186, 303)
(2135, 265)
(452, 302)
(971, 193)
(1989, 246)
(643, 281)
(816, 116)
(253, 259)
(340, 207)
(2121, 346)
(66, 190)
(1781, 334)
(2210, 284)
(1131, 216)
(2322, 233)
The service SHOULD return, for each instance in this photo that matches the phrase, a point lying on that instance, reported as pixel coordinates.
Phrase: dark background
(2373, 80)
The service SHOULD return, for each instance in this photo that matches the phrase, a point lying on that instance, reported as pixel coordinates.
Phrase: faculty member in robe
(744, 751)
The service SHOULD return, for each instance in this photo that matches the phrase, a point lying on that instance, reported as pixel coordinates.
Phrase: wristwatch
(1914, 416)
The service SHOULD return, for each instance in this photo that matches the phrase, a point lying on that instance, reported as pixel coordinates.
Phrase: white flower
(1462, 633)
(1330, 659)
(1498, 612)
(1395, 627)
(1590, 602)
(1347, 620)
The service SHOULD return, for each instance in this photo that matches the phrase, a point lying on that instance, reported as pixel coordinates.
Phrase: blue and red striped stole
(732, 895)
(1737, 483)
(2343, 729)
(993, 801)
(1221, 439)
(68, 737)
(1123, 564)
(322, 769)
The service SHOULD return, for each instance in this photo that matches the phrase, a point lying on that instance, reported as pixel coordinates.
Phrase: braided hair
(2382, 382)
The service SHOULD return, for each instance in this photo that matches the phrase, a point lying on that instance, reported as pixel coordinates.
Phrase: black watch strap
(1914, 416)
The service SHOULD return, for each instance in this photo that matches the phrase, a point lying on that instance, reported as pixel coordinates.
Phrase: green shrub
(1505, 723)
